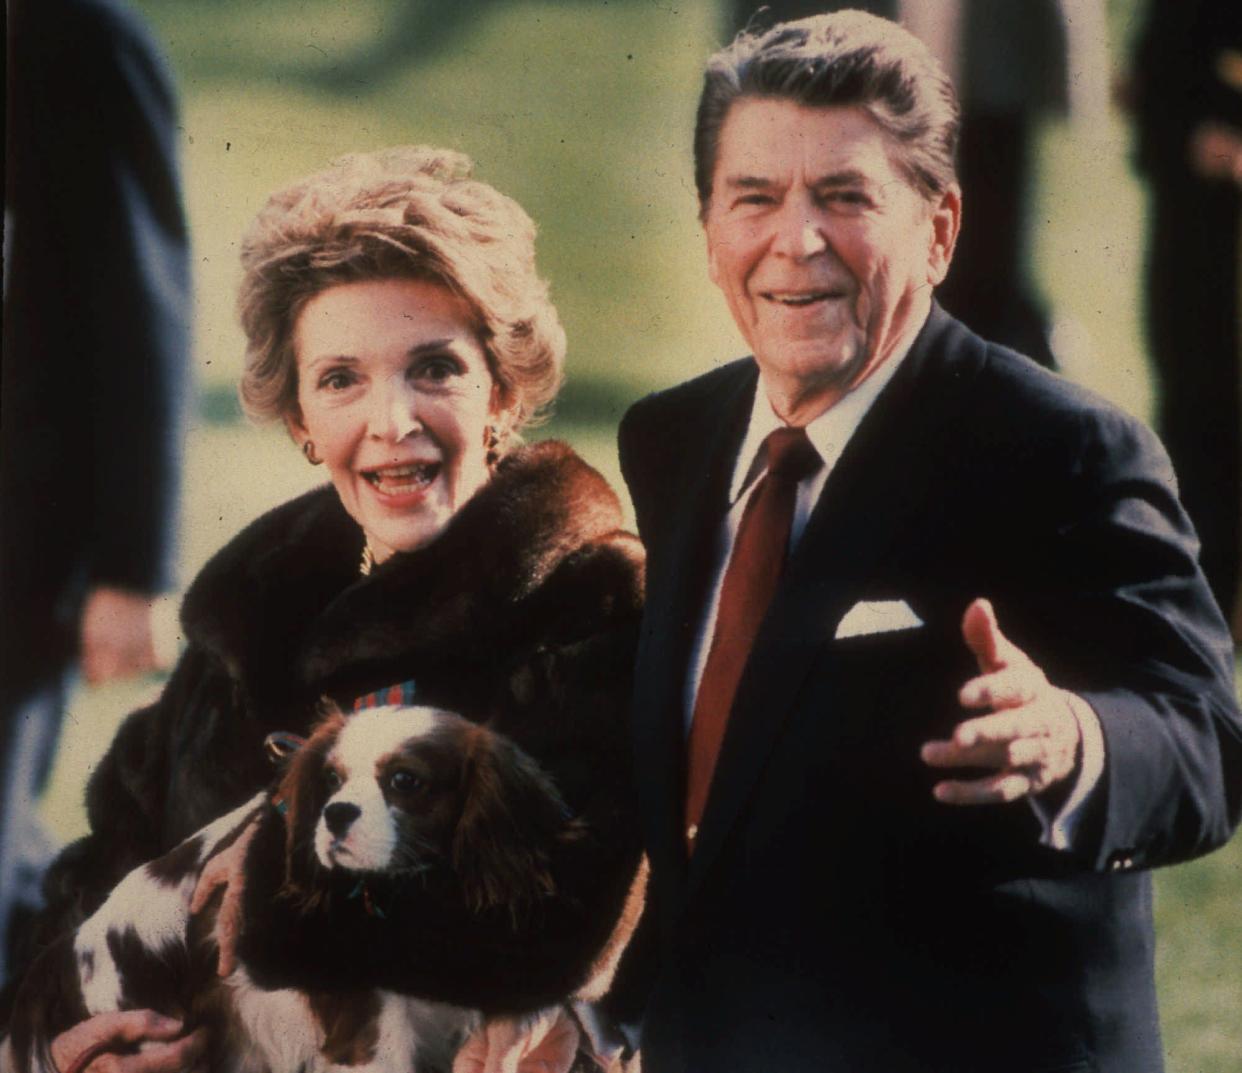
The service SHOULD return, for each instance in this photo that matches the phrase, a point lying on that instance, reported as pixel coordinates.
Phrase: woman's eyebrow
(431, 346)
(331, 359)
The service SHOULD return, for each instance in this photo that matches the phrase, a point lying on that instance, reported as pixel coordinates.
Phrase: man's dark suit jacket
(834, 916)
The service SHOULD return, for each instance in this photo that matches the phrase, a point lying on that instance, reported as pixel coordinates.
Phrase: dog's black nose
(339, 815)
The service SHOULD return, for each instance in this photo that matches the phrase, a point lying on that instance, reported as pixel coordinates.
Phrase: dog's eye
(332, 779)
(404, 782)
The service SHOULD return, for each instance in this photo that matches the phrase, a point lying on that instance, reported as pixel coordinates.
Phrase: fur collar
(539, 548)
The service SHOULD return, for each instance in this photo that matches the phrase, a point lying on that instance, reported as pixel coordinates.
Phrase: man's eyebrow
(748, 182)
(847, 177)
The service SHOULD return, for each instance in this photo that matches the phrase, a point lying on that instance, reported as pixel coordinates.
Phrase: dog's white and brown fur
(379, 818)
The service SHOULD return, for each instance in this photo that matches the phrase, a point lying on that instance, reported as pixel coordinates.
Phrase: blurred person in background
(96, 360)
(396, 325)
(1185, 88)
(1014, 63)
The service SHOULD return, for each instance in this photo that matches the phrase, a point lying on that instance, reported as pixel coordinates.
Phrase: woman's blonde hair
(408, 212)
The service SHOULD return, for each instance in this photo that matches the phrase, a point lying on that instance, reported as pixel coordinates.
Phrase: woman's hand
(226, 869)
(92, 1046)
(544, 1042)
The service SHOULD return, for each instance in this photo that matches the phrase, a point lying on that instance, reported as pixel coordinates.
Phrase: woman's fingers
(544, 1042)
(92, 1045)
(226, 869)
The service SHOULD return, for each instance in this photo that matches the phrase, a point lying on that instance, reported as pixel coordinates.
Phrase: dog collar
(363, 891)
(399, 695)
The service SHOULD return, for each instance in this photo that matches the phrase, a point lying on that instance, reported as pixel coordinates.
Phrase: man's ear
(713, 265)
(946, 222)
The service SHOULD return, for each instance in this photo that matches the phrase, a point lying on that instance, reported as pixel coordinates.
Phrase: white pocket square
(877, 616)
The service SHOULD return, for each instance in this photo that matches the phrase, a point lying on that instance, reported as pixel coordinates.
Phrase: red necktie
(750, 580)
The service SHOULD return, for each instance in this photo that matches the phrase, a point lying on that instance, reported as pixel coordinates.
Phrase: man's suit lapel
(883, 481)
(705, 456)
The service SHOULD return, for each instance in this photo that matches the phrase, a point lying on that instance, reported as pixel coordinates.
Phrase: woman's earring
(491, 444)
(308, 452)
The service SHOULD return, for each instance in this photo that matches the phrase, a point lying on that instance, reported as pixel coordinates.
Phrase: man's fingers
(1030, 738)
(1017, 684)
(1028, 748)
(1009, 753)
(1030, 753)
(1026, 721)
(995, 789)
(982, 635)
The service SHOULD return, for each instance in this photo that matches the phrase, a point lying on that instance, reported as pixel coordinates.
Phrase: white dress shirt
(829, 434)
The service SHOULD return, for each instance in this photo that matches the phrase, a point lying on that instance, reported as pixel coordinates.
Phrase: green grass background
(582, 111)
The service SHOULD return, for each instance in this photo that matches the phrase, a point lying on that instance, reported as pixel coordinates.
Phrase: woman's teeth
(395, 480)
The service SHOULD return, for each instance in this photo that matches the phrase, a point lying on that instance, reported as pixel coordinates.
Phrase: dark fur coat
(524, 613)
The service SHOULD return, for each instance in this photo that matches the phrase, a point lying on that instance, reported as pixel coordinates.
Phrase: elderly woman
(397, 327)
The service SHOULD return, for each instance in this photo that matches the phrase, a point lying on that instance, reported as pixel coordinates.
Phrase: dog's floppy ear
(511, 817)
(301, 795)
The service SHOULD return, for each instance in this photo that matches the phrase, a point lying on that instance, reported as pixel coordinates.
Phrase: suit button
(1120, 862)
(692, 832)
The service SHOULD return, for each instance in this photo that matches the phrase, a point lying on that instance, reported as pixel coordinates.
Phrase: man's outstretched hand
(1029, 737)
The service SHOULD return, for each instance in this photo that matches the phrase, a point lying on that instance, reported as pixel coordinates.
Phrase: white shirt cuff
(1059, 830)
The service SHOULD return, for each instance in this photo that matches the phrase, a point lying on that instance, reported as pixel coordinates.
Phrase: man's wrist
(1061, 809)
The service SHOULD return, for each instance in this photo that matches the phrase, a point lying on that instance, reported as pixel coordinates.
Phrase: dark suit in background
(1194, 290)
(96, 348)
(833, 915)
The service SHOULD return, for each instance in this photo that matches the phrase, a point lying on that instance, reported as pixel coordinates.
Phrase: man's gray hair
(846, 58)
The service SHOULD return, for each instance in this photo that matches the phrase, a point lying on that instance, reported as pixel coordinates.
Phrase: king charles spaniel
(393, 835)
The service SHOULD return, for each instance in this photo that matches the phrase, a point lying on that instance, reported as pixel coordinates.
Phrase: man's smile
(801, 297)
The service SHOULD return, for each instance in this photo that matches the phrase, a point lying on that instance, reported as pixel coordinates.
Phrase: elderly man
(930, 676)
